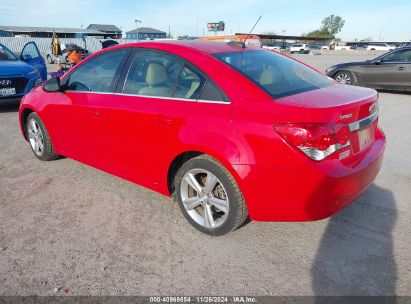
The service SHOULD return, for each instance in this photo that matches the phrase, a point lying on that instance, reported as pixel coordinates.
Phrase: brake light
(317, 141)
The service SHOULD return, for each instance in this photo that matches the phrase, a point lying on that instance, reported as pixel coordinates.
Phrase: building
(146, 33)
(47, 32)
(109, 30)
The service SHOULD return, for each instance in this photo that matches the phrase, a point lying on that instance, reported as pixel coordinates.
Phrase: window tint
(30, 50)
(153, 74)
(399, 56)
(5, 54)
(97, 74)
(212, 93)
(189, 84)
(276, 74)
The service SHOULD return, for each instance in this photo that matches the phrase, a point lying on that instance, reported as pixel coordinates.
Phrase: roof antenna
(248, 36)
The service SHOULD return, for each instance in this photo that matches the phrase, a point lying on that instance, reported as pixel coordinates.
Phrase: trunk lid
(354, 107)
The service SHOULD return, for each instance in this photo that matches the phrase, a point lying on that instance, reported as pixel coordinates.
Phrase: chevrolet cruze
(230, 132)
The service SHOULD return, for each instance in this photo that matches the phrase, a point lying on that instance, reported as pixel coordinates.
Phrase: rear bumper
(307, 190)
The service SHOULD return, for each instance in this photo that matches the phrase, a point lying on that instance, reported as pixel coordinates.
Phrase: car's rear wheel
(209, 197)
(39, 138)
(49, 59)
(345, 77)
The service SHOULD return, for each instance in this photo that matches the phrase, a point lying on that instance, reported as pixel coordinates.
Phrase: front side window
(97, 74)
(30, 51)
(399, 56)
(276, 74)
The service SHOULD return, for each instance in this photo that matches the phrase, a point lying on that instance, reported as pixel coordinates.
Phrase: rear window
(276, 74)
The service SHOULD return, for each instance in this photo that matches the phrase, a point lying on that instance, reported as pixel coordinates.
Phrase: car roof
(209, 47)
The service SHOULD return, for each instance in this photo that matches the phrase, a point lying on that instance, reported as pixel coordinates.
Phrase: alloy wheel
(204, 198)
(36, 137)
(344, 78)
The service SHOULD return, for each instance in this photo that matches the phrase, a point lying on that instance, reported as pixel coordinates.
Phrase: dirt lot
(63, 223)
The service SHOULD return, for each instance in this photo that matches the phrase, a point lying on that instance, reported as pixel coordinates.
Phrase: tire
(292, 52)
(39, 138)
(49, 59)
(345, 77)
(302, 51)
(218, 194)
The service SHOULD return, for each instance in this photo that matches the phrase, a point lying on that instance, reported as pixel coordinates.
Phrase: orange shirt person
(74, 56)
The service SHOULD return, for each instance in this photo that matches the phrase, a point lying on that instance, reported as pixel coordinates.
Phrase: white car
(380, 46)
(300, 48)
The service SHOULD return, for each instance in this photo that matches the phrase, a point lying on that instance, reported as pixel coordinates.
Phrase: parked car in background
(301, 48)
(380, 46)
(341, 46)
(390, 71)
(361, 46)
(19, 75)
(233, 131)
(272, 47)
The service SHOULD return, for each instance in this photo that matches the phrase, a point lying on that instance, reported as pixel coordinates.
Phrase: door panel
(385, 75)
(31, 55)
(143, 131)
(80, 111)
(391, 70)
(79, 126)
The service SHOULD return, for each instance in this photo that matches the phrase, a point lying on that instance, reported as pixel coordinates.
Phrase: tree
(333, 24)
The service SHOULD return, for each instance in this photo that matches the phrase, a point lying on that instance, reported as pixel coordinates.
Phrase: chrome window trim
(173, 98)
(362, 123)
(146, 96)
(89, 92)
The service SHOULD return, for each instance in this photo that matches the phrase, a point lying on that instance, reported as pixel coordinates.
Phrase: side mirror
(26, 57)
(377, 61)
(52, 85)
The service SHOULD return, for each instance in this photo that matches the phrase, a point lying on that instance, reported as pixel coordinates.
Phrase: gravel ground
(64, 224)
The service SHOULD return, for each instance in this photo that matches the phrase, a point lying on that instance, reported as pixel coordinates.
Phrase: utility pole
(137, 22)
(379, 37)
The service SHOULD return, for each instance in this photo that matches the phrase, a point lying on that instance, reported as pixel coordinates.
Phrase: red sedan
(229, 131)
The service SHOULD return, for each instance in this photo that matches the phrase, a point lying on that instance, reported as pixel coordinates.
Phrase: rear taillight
(317, 141)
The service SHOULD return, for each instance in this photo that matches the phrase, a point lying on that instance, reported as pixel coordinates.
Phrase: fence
(91, 44)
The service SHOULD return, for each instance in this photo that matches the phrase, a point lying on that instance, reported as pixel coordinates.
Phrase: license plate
(7, 91)
(364, 138)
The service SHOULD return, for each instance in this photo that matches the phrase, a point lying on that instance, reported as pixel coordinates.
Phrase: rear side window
(190, 84)
(276, 74)
(158, 74)
(152, 74)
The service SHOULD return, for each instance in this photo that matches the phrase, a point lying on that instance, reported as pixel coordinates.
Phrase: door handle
(401, 68)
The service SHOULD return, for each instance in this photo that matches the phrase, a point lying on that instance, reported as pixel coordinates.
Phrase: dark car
(390, 71)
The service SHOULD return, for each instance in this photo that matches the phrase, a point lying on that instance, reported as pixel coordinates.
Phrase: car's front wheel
(345, 77)
(39, 138)
(209, 197)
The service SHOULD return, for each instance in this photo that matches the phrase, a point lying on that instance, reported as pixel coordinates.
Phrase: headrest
(156, 74)
(269, 76)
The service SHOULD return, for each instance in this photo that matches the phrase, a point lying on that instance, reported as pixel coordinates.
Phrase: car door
(79, 112)
(30, 54)
(153, 99)
(390, 71)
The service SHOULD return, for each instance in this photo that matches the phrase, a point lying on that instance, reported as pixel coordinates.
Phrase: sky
(388, 20)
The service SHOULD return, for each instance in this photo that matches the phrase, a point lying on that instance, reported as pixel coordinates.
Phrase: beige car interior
(156, 80)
